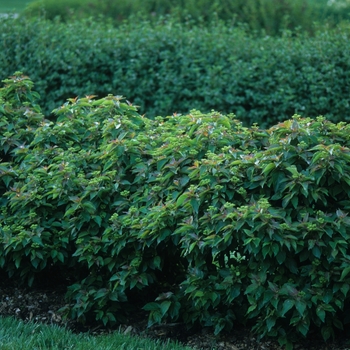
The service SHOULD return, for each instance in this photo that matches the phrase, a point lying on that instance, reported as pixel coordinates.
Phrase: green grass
(13, 5)
(17, 335)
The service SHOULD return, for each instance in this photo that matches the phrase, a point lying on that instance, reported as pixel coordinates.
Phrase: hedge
(169, 68)
(268, 16)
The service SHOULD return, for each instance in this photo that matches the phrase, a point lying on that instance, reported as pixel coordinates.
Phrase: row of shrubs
(168, 67)
(200, 219)
(268, 16)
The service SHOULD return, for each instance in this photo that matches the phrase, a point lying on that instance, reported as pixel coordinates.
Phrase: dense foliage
(20, 115)
(203, 220)
(169, 68)
(268, 16)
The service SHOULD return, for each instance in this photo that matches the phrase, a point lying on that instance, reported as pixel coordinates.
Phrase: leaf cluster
(20, 115)
(197, 217)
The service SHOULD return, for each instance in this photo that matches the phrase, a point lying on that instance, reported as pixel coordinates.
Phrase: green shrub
(268, 16)
(201, 219)
(169, 68)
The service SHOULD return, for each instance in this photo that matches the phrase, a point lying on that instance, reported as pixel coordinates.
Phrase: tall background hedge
(270, 16)
(171, 67)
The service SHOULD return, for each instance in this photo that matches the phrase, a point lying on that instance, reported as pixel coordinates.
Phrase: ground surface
(41, 305)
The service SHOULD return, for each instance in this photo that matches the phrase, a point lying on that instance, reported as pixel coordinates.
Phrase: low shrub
(196, 217)
(169, 68)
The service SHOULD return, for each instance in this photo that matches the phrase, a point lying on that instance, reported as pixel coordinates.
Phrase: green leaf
(268, 168)
(321, 313)
(98, 220)
(181, 199)
(273, 287)
(316, 251)
(281, 257)
(251, 308)
(35, 262)
(155, 317)
(114, 296)
(292, 265)
(303, 328)
(133, 283)
(287, 305)
(53, 253)
(345, 289)
(111, 317)
(7, 180)
(192, 246)
(288, 289)
(266, 249)
(161, 163)
(293, 170)
(151, 306)
(219, 326)
(295, 202)
(195, 205)
(270, 322)
(101, 293)
(174, 310)
(338, 324)
(328, 296)
(304, 190)
(184, 181)
(164, 306)
(90, 208)
(311, 243)
(60, 256)
(115, 277)
(156, 262)
(328, 307)
(18, 262)
(268, 295)
(37, 240)
(104, 320)
(301, 307)
(317, 156)
(234, 293)
(345, 272)
(327, 332)
(251, 288)
(108, 165)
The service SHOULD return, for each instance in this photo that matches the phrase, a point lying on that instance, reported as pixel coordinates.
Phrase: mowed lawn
(7, 6)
